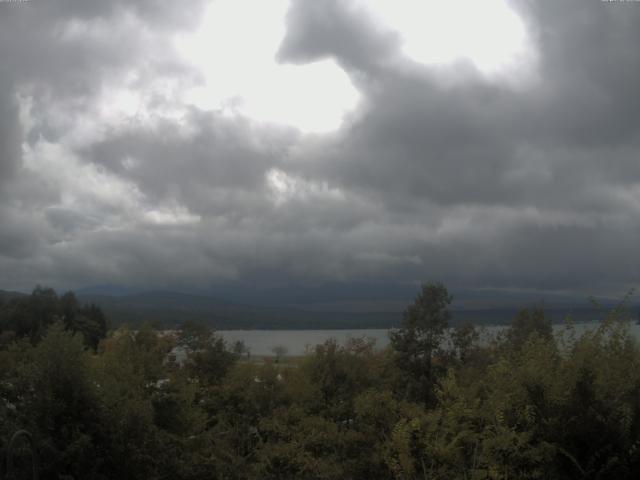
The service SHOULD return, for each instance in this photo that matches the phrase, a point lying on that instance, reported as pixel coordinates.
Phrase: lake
(261, 342)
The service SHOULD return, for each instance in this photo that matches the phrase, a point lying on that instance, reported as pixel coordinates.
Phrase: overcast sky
(165, 144)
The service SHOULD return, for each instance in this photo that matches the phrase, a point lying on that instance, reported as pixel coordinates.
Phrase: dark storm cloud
(10, 136)
(217, 153)
(565, 146)
(62, 51)
(475, 141)
(591, 65)
(442, 173)
(40, 52)
(73, 46)
(331, 28)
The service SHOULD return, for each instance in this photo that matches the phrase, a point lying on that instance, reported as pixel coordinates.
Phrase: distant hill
(169, 309)
(8, 295)
(108, 290)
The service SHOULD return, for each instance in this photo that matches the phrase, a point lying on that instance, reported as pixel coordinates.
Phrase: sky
(488, 145)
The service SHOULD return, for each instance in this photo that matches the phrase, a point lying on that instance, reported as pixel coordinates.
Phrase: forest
(437, 403)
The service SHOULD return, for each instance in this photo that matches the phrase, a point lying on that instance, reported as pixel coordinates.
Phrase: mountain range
(302, 309)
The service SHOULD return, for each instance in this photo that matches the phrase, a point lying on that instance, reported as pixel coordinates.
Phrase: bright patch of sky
(236, 44)
(285, 187)
(487, 33)
(235, 50)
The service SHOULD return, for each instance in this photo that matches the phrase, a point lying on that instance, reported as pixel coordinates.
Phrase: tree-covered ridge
(437, 404)
(30, 316)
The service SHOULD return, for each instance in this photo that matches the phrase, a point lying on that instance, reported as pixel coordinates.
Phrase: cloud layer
(109, 175)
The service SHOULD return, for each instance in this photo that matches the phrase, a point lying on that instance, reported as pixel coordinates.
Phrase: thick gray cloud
(10, 137)
(342, 30)
(218, 154)
(443, 173)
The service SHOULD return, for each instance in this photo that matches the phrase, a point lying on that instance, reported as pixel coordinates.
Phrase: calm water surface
(261, 342)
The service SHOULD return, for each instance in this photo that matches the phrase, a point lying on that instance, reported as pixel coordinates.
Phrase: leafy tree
(338, 374)
(279, 351)
(464, 338)
(63, 405)
(149, 411)
(529, 405)
(208, 358)
(298, 445)
(32, 315)
(528, 322)
(417, 340)
(89, 320)
(239, 348)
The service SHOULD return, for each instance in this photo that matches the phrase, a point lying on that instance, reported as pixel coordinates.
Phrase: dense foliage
(437, 404)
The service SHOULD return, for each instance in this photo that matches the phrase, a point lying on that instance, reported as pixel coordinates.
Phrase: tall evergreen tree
(419, 337)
